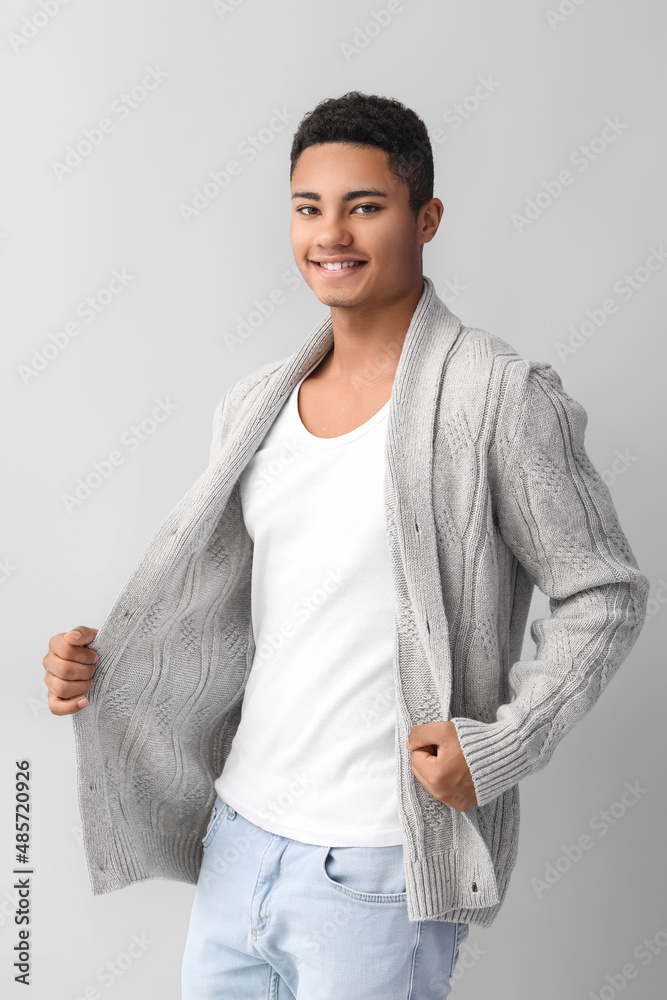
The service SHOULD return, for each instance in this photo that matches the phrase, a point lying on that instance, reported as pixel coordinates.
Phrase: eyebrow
(350, 196)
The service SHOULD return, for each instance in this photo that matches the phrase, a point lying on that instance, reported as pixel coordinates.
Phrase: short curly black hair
(371, 120)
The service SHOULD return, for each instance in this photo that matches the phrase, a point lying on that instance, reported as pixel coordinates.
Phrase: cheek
(390, 244)
(296, 232)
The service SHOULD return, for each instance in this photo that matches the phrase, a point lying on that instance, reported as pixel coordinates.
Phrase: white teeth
(337, 265)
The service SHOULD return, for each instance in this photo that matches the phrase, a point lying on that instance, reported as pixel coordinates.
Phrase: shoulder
(479, 369)
(246, 387)
(521, 377)
(234, 401)
(484, 350)
(248, 384)
(489, 383)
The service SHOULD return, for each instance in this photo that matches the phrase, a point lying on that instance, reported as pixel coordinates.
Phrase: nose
(331, 235)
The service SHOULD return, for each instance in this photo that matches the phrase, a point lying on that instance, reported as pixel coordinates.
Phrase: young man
(308, 699)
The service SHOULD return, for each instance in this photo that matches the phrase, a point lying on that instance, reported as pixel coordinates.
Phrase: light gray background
(164, 336)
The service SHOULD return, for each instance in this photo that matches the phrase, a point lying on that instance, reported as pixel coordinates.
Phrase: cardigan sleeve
(556, 514)
(218, 427)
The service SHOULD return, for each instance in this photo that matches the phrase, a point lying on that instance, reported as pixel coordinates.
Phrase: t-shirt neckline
(340, 439)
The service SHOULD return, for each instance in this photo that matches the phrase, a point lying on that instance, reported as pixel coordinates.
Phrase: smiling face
(347, 206)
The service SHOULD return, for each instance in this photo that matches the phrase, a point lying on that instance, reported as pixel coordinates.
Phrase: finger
(72, 652)
(66, 689)
(66, 706)
(431, 749)
(424, 760)
(81, 635)
(68, 670)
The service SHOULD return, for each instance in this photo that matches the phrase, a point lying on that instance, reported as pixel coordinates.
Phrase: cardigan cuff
(494, 755)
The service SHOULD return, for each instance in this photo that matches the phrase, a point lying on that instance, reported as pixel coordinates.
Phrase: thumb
(81, 635)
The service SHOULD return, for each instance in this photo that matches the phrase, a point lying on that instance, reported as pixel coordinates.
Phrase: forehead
(336, 168)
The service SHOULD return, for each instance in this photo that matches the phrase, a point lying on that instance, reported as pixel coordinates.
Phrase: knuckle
(57, 687)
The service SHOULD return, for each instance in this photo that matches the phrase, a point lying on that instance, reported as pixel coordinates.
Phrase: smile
(338, 267)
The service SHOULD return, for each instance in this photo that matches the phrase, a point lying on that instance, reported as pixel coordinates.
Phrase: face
(348, 206)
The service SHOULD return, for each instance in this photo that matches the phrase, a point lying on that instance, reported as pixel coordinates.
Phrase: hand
(438, 764)
(69, 670)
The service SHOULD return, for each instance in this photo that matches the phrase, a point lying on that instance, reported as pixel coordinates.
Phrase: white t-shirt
(314, 754)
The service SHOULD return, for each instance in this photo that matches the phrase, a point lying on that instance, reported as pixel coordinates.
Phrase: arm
(557, 516)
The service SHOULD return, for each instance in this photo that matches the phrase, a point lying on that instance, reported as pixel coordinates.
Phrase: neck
(367, 341)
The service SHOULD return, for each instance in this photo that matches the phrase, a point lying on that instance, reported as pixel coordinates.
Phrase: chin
(331, 297)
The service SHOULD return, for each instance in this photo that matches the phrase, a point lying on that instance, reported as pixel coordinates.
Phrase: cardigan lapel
(411, 432)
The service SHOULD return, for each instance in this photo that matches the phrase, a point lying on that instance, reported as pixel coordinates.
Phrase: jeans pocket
(217, 816)
(371, 874)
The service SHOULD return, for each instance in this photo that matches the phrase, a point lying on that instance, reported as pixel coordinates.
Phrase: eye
(306, 209)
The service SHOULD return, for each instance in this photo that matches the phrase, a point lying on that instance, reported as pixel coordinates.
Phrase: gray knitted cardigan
(488, 492)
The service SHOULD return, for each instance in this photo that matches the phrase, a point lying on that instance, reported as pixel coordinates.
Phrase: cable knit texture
(488, 492)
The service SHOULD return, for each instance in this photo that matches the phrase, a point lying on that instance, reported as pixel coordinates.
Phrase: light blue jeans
(277, 919)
